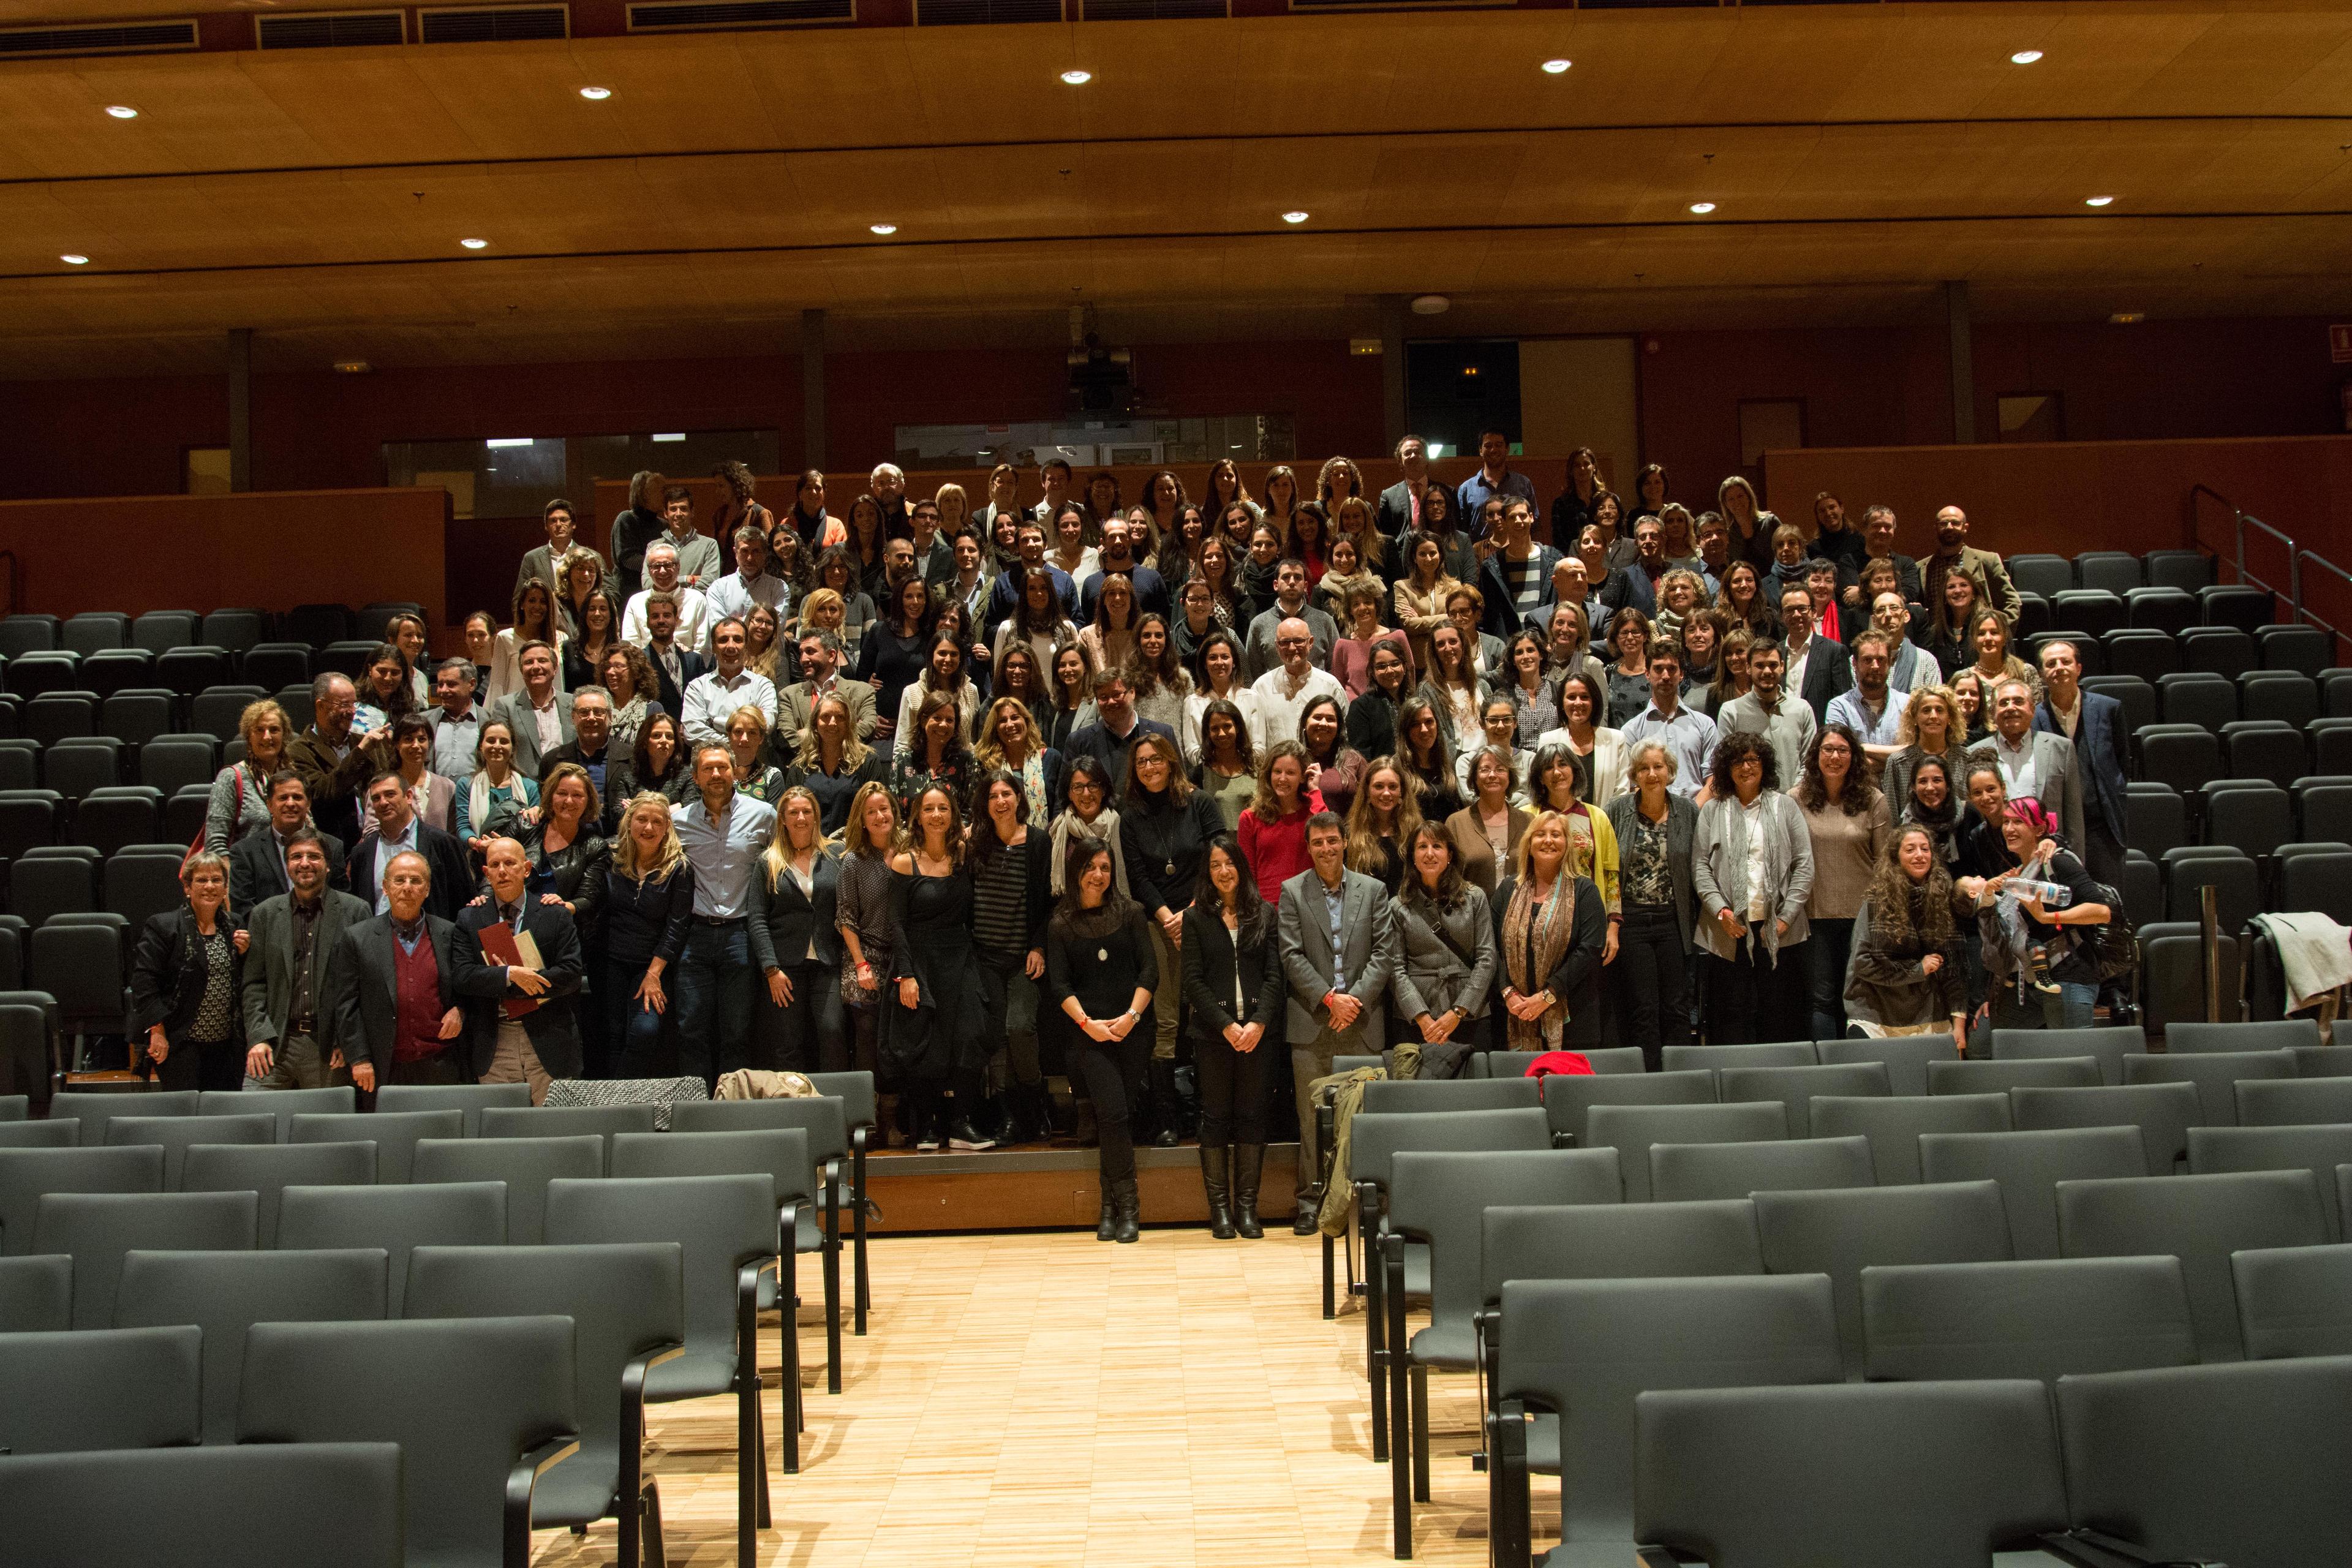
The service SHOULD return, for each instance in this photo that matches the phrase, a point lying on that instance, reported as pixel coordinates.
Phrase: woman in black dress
(1101, 969)
(185, 985)
(1011, 875)
(931, 1035)
(796, 1019)
(1234, 985)
(1165, 825)
(648, 899)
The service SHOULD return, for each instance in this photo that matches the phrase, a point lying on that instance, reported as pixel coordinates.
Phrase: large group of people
(993, 794)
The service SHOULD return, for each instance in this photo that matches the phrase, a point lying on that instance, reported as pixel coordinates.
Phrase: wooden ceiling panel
(354, 106)
(1028, 190)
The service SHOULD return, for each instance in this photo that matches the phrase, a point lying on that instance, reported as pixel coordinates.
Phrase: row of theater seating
(1925, 1202)
(315, 626)
(2112, 571)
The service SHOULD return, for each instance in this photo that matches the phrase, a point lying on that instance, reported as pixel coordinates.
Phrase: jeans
(1232, 1089)
(2070, 1008)
(633, 1031)
(1012, 1015)
(1826, 950)
(714, 1000)
(1750, 997)
(1652, 979)
(806, 1035)
(1114, 1071)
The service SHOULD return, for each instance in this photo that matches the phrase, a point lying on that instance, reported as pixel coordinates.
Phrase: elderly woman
(186, 980)
(240, 799)
(1752, 872)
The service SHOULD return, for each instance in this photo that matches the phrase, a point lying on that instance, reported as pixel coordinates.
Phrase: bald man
(518, 967)
(1295, 681)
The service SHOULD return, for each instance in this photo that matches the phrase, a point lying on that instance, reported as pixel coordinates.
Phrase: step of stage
(1049, 1188)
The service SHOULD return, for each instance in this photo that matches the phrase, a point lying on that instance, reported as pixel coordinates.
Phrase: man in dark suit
(293, 934)
(2095, 724)
(1818, 668)
(821, 676)
(398, 830)
(543, 1045)
(391, 988)
(676, 667)
(1400, 506)
(258, 864)
(1114, 728)
(1335, 987)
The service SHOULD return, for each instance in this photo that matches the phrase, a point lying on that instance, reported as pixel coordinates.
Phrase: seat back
(822, 1117)
(96, 1229)
(174, 1135)
(1374, 1141)
(289, 1505)
(721, 1224)
(465, 1399)
(281, 1104)
(2309, 1101)
(397, 1220)
(2218, 1151)
(1514, 1063)
(2200, 1220)
(2278, 1035)
(225, 1293)
(1400, 1096)
(1840, 1233)
(2000, 1077)
(84, 1389)
(1893, 1126)
(1441, 1199)
(524, 1165)
(2262, 1483)
(26, 1175)
(468, 1100)
(1618, 1241)
(2215, 1078)
(2042, 1318)
(2294, 1300)
(1567, 1098)
(1794, 1087)
(2108, 1045)
(394, 1133)
(779, 1152)
(1587, 1348)
(859, 1104)
(1904, 1058)
(95, 1111)
(2028, 1167)
(267, 1171)
(607, 1121)
(1630, 1129)
(1773, 1054)
(1693, 1173)
(1931, 1475)
(2163, 1112)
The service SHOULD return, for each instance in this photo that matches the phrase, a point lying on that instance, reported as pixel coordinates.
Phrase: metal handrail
(2296, 556)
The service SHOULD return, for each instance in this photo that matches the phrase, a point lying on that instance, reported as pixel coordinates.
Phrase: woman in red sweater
(1273, 826)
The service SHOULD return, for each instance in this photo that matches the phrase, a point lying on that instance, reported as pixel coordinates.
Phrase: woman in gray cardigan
(1445, 945)
(1653, 974)
(1752, 871)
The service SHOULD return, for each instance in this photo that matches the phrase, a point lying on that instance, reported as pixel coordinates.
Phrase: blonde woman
(240, 798)
(955, 511)
(747, 742)
(649, 902)
(1381, 822)
(862, 915)
(1550, 927)
(1352, 519)
(1010, 744)
(1931, 726)
(796, 1018)
(831, 762)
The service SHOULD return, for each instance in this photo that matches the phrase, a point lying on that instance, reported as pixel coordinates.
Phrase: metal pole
(2209, 933)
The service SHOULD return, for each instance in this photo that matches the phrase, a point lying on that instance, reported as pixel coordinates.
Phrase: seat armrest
(521, 1481)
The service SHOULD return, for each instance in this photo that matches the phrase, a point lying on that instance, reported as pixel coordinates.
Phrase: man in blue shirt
(1493, 478)
(1688, 736)
(723, 833)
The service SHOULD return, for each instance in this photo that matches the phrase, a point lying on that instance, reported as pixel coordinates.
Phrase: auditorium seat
(158, 630)
(2219, 650)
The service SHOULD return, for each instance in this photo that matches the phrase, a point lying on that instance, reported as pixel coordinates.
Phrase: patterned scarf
(1551, 926)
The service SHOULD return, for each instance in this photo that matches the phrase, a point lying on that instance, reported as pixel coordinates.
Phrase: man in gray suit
(2035, 761)
(1338, 952)
(285, 989)
(820, 677)
(538, 715)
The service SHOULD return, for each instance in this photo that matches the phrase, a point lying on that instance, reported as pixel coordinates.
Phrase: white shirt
(730, 595)
(1278, 701)
(710, 700)
(1760, 898)
(693, 618)
(1196, 707)
(549, 721)
(2017, 765)
(1793, 681)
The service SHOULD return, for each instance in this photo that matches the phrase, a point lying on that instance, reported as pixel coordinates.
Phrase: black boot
(1167, 1119)
(1310, 1208)
(1127, 1206)
(1107, 1226)
(1019, 1121)
(1248, 1160)
(1212, 1181)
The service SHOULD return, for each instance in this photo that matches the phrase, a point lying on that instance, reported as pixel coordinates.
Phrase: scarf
(478, 798)
(1104, 828)
(1550, 932)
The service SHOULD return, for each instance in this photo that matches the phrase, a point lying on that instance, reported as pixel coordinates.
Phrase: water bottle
(2052, 895)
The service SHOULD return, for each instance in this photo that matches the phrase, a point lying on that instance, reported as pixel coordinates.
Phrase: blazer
(1392, 514)
(1500, 617)
(452, 872)
(1829, 672)
(1981, 567)
(439, 810)
(576, 872)
(256, 871)
(1478, 855)
(1681, 826)
(1367, 954)
(784, 921)
(1431, 977)
(334, 784)
(796, 702)
(2098, 748)
(361, 997)
(1719, 851)
(1211, 960)
(515, 712)
(167, 978)
(671, 693)
(270, 961)
(2057, 778)
(554, 1033)
(1576, 978)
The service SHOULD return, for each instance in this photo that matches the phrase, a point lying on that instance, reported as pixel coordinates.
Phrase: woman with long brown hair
(935, 1008)
(1387, 810)
(1909, 974)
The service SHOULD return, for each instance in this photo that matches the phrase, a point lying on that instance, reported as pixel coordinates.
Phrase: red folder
(500, 945)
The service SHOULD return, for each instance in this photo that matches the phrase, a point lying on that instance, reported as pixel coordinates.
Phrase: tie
(513, 915)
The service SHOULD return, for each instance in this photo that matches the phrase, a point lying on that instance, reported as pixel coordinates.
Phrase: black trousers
(1652, 977)
(808, 1034)
(1750, 997)
(191, 1066)
(1234, 1088)
(1114, 1074)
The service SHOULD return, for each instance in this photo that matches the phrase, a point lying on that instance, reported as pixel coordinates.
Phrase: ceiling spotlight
(1557, 68)
(1077, 78)
(2097, 201)
(2024, 56)
(2126, 318)
(595, 94)
(475, 244)
(884, 229)
(1431, 304)
(1293, 216)
(352, 367)
(123, 111)
(71, 259)
(1702, 208)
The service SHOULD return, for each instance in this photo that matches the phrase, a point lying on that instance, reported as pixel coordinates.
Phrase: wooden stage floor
(1031, 1400)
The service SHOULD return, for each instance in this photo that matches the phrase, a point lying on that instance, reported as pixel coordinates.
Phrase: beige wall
(1582, 391)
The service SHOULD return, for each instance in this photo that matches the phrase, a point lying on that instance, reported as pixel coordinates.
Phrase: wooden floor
(1029, 1400)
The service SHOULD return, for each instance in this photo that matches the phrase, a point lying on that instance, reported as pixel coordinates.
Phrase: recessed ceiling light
(595, 94)
(1077, 78)
(884, 229)
(2097, 201)
(475, 244)
(1293, 216)
(1702, 208)
(123, 111)
(2126, 318)
(2024, 56)
(71, 259)
(1431, 304)
(1557, 68)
